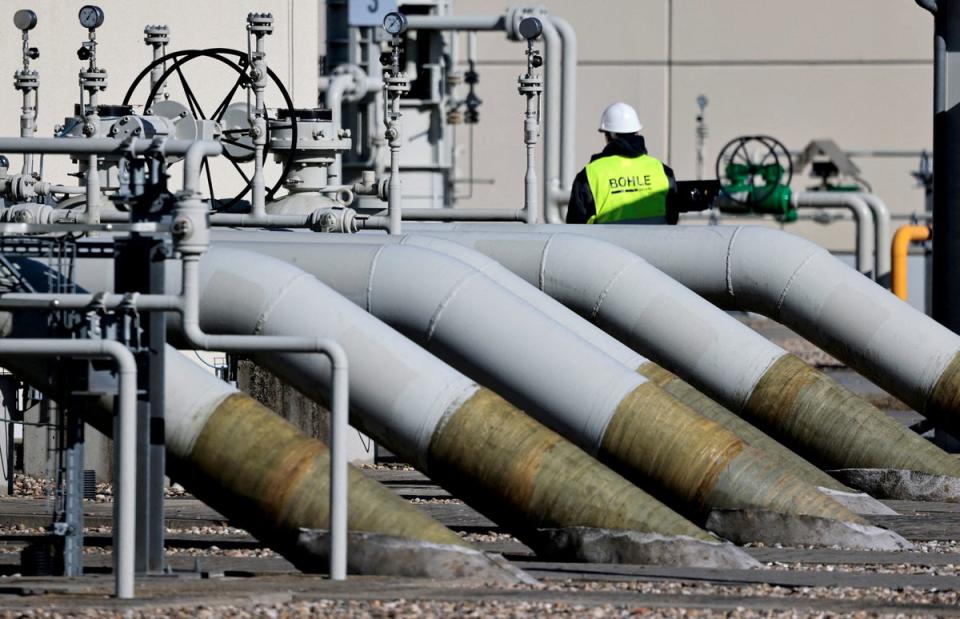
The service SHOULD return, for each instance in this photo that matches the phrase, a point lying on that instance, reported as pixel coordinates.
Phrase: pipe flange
(516, 14)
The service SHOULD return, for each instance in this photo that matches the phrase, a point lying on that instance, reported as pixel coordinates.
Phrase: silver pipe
(461, 214)
(553, 54)
(861, 213)
(882, 237)
(93, 190)
(125, 506)
(333, 98)
(568, 121)
(456, 22)
(805, 288)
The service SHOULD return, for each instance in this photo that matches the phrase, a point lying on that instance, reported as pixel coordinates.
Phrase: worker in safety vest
(622, 184)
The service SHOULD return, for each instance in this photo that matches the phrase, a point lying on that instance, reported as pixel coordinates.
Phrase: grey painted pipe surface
(723, 357)
(294, 249)
(421, 408)
(862, 215)
(568, 121)
(568, 384)
(800, 284)
(552, 140)
(881, 235)
(563, 380)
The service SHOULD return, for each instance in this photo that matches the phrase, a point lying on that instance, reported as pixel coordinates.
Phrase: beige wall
(857, 71)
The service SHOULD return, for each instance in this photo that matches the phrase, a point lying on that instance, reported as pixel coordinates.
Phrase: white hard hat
(620, 118)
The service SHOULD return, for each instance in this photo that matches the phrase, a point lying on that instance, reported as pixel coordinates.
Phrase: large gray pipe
(571, 386)
(612, 347)
(800, 284)
(463, 436)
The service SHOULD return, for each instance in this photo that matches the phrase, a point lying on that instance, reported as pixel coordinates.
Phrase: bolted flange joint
(190, 226)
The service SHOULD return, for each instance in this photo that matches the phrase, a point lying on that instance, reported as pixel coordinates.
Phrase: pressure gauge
(530, 28)
(91, 16)
(702, 102)
(395, 23)
(25, 19)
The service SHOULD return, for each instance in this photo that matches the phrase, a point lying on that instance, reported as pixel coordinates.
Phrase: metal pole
(946, 164)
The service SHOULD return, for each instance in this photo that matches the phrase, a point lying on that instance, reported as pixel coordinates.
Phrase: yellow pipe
(898, 254)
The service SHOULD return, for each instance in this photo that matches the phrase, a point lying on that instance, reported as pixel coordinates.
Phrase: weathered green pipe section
(799, 405)
(528, 477)
(272, 480)
(699, 464)
(699, 402)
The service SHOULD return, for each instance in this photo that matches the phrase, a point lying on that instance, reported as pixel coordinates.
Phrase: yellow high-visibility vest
(628, 188)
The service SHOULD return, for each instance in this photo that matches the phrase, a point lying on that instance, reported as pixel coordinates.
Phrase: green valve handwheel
(755, 173)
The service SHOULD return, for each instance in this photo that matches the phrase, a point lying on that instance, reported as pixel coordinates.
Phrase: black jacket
(581, 206)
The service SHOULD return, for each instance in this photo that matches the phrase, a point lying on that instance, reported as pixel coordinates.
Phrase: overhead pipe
(651, 313)
(899, 251)
(463, 436)
(862, 216)
(629, 358)
(604, 407)
(810, 291)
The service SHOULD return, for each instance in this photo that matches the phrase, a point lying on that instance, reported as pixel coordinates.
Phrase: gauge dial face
(531, 28)
(91, 16)
(24, 19)
(395, 23)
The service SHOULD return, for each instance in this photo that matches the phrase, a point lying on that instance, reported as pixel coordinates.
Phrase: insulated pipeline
(641, 306)
(571, 321)
(569, 385)
(422, 409)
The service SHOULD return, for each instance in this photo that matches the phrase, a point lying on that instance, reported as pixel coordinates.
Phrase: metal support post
(946, 163)
(69, 524)
(138, 265)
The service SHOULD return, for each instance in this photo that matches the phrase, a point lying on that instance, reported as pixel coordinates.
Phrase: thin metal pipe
(456, 22)
(899, 250)
(568, 122)
(461, 214)
(124, 533)
(881, 232)
(93, 190)
(806, 288)
(861, 213)
(333, 99)
(553, 55)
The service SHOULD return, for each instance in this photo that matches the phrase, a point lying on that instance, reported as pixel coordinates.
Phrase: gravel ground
(388, 466)
(39, 488)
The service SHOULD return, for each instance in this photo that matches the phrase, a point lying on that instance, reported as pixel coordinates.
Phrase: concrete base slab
(594, 545)
(901, 485)
(374, 554)
(744, 526)
(859, 502)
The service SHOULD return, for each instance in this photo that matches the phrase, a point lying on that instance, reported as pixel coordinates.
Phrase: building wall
(858, 71)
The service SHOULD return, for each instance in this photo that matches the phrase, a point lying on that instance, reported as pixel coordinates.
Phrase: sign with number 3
(369, 12)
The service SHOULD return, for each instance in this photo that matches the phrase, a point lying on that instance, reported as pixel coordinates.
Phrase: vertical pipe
(899, 250)
(339, 410)
(881, 236)
(93, 190)
(568, 152)
(552, 115)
